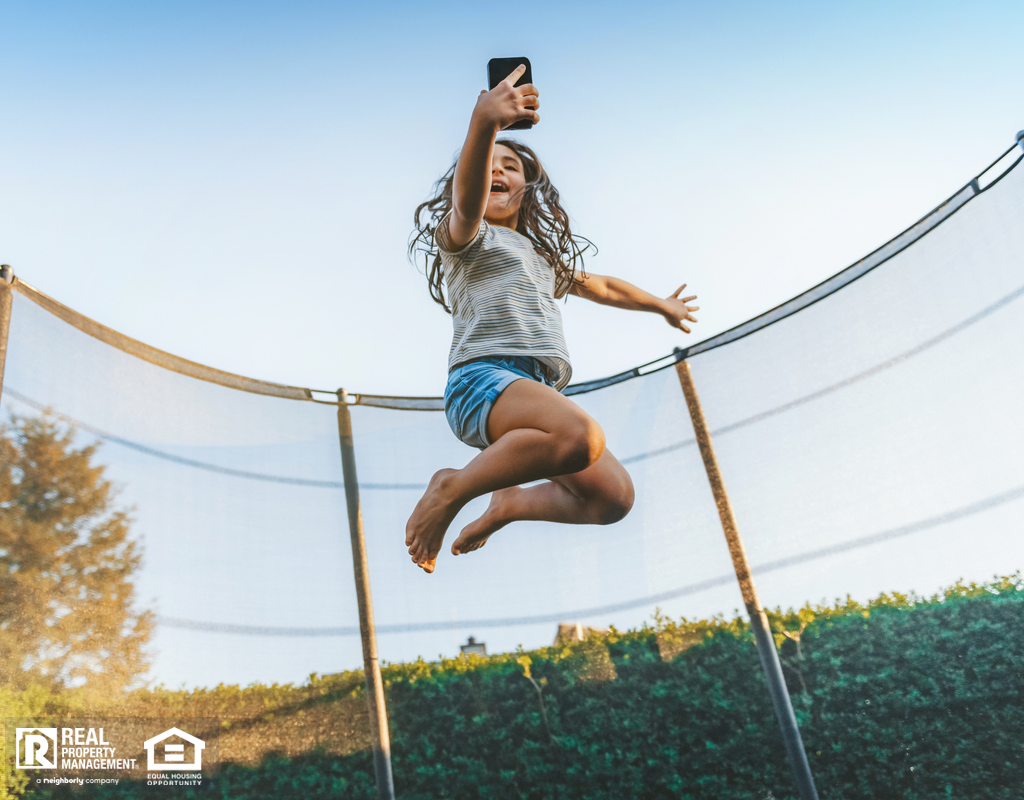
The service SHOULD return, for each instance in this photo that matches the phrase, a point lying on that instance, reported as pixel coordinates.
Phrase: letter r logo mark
(32, 746)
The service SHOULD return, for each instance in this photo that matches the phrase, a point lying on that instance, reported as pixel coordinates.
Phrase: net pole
(758, 619)
(6, 302)
(360, 565)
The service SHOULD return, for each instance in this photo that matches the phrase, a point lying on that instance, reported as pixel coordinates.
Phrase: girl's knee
(581, 444)
(617, 501)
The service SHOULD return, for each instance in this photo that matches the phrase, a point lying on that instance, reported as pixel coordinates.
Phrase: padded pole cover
(371, 663)
(758, 620)
(6, 279)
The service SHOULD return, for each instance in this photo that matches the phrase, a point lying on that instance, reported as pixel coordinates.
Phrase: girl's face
(507, 187)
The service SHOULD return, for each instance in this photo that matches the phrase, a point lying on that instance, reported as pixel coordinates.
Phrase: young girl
(501, 245)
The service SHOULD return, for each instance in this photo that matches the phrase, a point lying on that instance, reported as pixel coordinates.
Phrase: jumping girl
(500, 243)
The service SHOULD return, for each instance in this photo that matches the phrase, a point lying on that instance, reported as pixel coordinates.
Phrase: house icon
(172, 755)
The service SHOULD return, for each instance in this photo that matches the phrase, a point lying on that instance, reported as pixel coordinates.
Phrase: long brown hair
(542, 220)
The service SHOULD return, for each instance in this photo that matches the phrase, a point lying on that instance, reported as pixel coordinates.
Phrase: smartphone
(500, 68)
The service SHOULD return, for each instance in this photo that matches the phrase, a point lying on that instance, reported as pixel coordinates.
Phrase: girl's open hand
(507, 103)
(677, 312)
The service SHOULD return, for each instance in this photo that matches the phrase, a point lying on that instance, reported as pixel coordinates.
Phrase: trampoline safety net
(868, 432)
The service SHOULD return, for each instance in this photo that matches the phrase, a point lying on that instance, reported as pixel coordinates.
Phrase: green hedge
(903, 698)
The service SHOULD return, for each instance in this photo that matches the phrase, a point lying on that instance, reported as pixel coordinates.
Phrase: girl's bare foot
(425, 530)
(497, 516)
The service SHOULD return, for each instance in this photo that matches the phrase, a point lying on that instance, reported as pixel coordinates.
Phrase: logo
(163, 755)
(32, 746)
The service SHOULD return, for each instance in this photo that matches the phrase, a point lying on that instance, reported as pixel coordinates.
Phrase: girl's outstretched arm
(504, 105)
(616, 292)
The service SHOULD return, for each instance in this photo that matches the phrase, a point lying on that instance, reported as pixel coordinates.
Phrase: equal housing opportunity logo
(171, 755)
(111, 750)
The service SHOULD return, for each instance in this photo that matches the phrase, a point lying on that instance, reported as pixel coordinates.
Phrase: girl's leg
(599, 495)
(537, 433)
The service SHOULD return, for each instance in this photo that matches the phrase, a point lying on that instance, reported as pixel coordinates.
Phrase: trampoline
(868, 433)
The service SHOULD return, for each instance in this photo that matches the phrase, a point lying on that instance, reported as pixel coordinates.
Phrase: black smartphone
(500, 68)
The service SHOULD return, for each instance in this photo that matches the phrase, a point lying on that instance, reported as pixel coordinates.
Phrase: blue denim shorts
(474, 386)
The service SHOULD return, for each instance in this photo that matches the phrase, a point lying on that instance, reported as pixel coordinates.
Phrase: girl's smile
(507, 187)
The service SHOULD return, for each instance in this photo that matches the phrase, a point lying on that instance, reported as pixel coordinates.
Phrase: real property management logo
(89, 749)
(66, 748)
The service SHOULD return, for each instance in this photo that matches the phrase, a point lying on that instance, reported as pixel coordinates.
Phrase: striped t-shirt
(502, 295)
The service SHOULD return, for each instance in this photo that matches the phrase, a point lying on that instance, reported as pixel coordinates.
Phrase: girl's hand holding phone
(506, 103)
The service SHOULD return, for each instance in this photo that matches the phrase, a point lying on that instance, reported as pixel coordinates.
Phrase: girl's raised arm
(504, 105)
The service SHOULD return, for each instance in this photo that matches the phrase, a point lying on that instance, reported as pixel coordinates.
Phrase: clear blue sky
(234, 182)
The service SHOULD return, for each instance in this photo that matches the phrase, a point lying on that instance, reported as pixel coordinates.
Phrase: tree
(67, 614)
